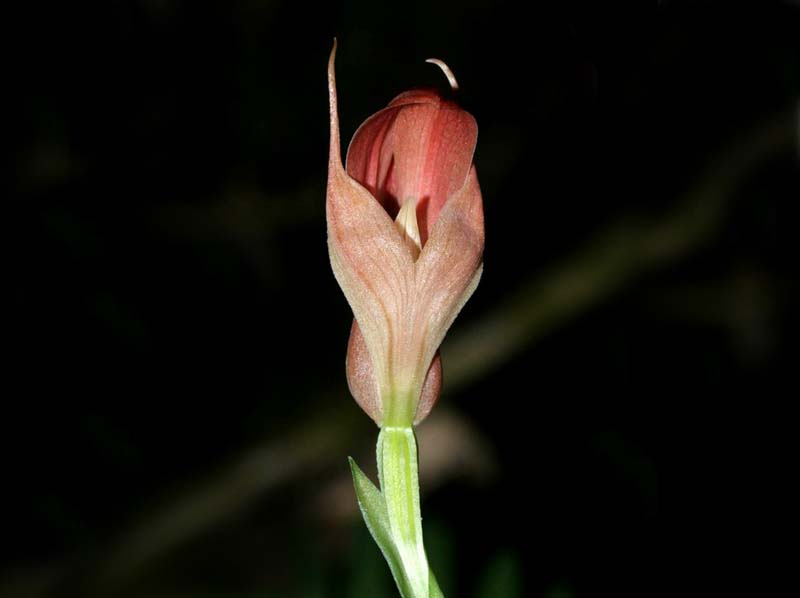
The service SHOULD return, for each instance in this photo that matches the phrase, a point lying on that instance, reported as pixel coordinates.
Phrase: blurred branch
(313, 446)
(745, 304)
(612, 260)
(309, 448)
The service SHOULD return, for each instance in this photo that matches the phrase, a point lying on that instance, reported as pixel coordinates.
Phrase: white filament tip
(406, 223)
(451, 78)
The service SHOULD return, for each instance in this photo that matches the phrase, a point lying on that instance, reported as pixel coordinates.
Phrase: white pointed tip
(451, 78)
(335, 156)
(406, 223)
(331, 62)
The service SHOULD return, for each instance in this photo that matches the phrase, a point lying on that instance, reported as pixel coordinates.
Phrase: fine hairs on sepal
(405, 238)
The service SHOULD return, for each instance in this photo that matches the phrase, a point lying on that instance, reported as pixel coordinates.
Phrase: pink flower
(405, 237)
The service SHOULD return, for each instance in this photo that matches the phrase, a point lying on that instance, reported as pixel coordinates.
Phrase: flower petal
(370, 161)
(450, 265)
(431, 389)
(361, 377)
(433, 146)
(420, 146)
(364, 387)
(370, 261)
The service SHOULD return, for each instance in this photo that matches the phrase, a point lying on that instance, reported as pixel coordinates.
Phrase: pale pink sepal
(361, 380)
(420, 147)
(371, 263)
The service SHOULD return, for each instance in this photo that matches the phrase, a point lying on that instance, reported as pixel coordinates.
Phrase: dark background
(176, 418)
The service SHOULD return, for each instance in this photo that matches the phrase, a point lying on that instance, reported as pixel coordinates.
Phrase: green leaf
(433, 586)
(376, 516)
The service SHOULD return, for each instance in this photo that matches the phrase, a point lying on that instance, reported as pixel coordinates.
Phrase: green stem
(392, 514)
(399, 479)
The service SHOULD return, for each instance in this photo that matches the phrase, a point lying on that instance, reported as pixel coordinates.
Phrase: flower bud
(405, 237)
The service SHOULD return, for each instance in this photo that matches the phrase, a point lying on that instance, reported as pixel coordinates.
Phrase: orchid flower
(405, 237)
